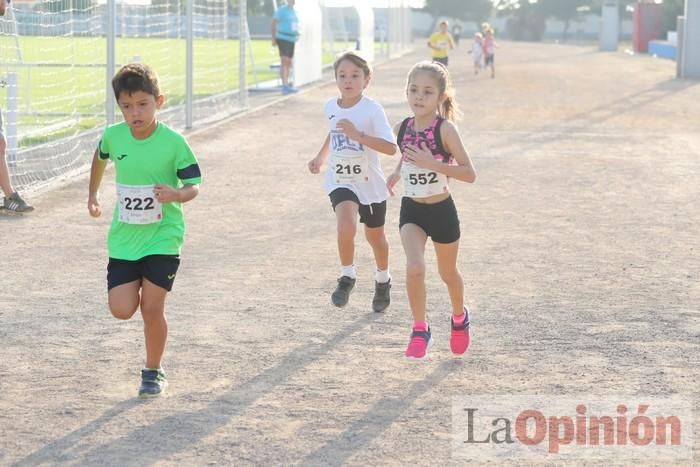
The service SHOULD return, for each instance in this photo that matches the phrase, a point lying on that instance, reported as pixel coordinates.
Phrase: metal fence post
(242, 45)
(12, 114)
(680, 27)
(111, 31)
(189, 72)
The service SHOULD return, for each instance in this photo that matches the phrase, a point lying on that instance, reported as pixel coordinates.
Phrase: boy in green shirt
(156, 171)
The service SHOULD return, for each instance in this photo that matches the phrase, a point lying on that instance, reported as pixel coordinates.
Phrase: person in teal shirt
(285, 33)
(156, 172)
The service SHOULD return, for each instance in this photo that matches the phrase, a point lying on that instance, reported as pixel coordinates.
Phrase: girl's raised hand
(420, 156)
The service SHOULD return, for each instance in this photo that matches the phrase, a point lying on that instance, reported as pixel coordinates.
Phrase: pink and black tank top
(431, 135)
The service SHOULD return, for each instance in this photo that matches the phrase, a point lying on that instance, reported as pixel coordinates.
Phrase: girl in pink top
(432, 154)
(489, 46)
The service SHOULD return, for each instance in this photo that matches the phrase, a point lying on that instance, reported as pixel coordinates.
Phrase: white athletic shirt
(477, 52)
(368, 117)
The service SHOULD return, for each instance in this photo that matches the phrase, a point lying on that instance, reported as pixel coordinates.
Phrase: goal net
(53, 69)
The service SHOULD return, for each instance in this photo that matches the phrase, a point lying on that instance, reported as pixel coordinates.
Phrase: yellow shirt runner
(441, 42)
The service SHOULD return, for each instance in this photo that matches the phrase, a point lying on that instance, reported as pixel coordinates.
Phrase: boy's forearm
(323, 152)
(97, 170)
(325, 148)
(378, 144)
(188, 193)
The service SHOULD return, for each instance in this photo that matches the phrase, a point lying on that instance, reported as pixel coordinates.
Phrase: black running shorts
(159, 269)
(439, 220)
(372, 215)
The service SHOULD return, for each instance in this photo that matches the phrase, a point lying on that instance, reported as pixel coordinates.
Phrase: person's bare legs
(446, 254)
(413, 239)
(447, 265)
(124, 299)
(380, 246)
(155, 326)
(5, 184)
(285, 68)
(13, 201)
(346, 213)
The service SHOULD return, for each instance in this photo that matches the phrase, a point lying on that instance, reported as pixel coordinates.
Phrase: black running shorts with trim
(159, 269)
(372, 215)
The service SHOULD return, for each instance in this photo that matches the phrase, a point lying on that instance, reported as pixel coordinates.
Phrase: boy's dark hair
(355, 58)
(134, 77)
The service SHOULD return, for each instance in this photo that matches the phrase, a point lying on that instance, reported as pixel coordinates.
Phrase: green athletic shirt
(162, 158)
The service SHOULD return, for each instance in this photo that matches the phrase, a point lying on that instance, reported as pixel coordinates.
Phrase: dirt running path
(580, 256)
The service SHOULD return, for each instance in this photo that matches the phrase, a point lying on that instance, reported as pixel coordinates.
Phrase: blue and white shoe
(153, 382)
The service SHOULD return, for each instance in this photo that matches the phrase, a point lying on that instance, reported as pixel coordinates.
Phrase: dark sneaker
(341, 294)
(153, 382)
(382, 298)
(418, 345)
(16, 203)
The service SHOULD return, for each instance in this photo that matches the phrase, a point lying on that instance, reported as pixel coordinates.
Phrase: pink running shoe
(459, 340)
(418, 346)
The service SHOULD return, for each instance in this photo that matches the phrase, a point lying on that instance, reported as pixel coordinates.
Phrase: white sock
(349, 271)
(382, 276)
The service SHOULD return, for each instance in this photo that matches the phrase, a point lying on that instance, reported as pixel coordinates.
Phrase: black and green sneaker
(382, 298)
(341, 294)
(153, 382)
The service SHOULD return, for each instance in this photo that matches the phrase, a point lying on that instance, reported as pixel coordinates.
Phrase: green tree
(565, 10)
(527, 19)
(256, 7)
(468, 10)
(624, 7)
(671, 10)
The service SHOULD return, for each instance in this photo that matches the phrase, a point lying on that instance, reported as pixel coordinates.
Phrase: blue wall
(662, 49)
